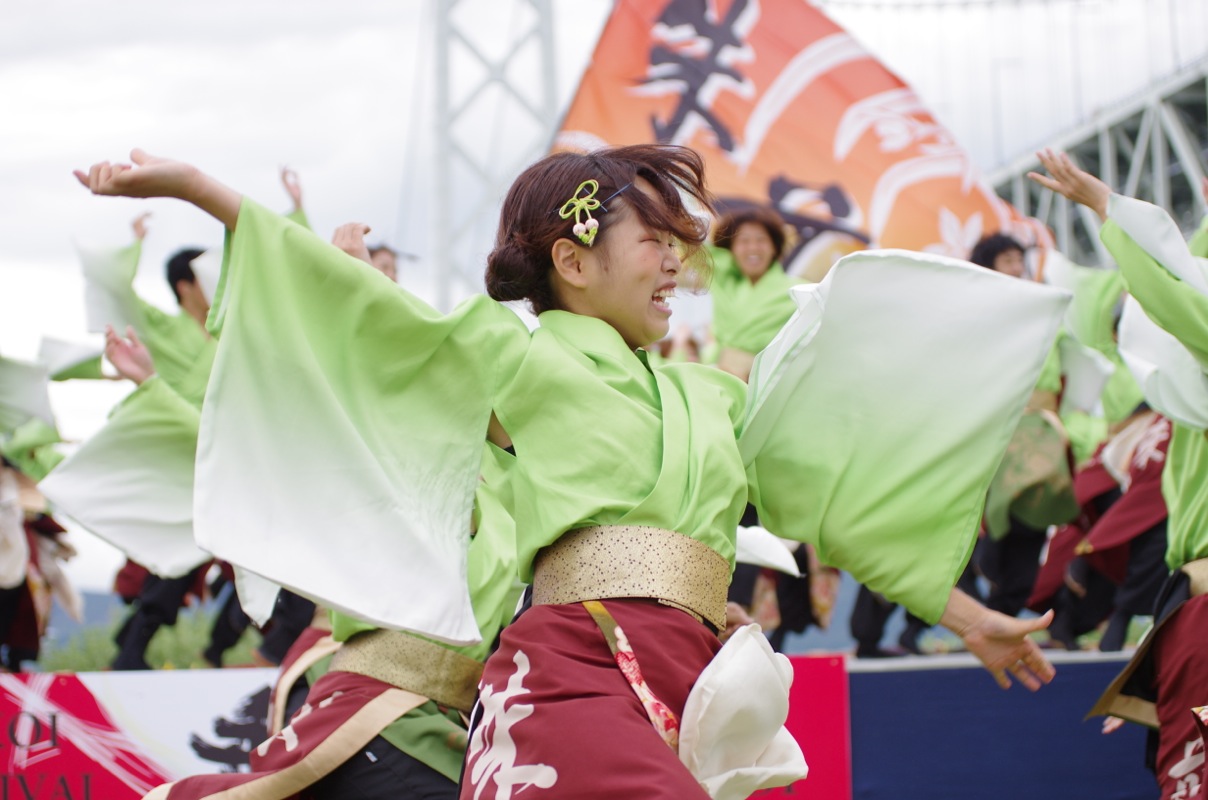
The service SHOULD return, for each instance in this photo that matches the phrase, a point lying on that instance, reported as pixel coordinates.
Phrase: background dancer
(1168, 675)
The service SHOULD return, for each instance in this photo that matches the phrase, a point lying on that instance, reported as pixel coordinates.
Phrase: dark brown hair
(529, 224)
(989, 248)
(727, 228)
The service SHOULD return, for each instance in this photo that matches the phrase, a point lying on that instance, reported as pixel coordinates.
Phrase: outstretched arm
(999, 641)
(1071, 182)
(150, 176)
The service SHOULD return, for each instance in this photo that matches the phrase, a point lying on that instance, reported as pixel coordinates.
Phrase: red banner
(789, 111)
(820, 721)
(60, 743)
(118, 735)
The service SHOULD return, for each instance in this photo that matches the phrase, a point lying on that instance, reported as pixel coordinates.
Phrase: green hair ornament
(581, 203)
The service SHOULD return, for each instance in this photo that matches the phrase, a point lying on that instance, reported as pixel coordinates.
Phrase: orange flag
(791, 112)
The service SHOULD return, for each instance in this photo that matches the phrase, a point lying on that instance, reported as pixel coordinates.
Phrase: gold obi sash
(616, 561)
(413, 664)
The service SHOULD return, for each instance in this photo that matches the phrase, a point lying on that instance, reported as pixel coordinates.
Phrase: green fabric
(1198, 243)
(428, 733)
(746, 316)
(179, 347)
(1086, 433)
(308, 336)
(31, 449)
(432, 735)
(112, 271)
(298, 217)
(1185, 488)
(24, 394)
(1183, 313)
(1177, 308)
(1050, 373)
(1033, 482)
(85, 370)
(132, 483)
(490, 559)
(399, 396)
(1121, 395)
(687, 477)
(1097, 292)
(182, 352)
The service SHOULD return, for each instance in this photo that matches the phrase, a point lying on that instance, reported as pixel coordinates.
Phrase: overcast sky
(342, 93)
(339, 92)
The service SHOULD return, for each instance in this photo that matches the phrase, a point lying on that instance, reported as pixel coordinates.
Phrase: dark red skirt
(1180, 655)
(557, 718)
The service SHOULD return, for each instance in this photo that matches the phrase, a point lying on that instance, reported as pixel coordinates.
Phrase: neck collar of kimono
(591, 335)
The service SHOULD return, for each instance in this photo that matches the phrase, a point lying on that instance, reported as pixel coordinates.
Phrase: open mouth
(661, 298)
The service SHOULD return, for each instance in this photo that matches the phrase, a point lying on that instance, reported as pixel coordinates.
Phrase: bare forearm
(216, 199)
(150, 176)
(961, 612)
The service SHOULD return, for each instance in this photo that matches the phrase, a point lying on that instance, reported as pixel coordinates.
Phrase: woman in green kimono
(1168, 281)
(750, 289)
(628, 483)
(751, 303)
(1033, 487)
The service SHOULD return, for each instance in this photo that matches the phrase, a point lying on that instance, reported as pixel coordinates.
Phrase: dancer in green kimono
(1167, 348)
(369, 410)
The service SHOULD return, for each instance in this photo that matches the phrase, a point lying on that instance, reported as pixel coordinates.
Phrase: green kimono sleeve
(88, 370)
(878, 416)
(342, 432)
(1152, 270)
(1171, 287)
(1097, 293)
(182, 351)
(298, 217)
(109, 297)
(31, 449)
(491, 566)
(1198, 243)
(1121, 395)
(179, 346)
(131, 484)
(24, 394)
(1050, 371)
(70, 361)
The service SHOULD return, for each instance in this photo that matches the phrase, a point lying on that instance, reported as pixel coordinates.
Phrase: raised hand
(736, 617)
(148, 176)
(350, 237)
(140, 225)
(1070, 181)
(151, 176)
(293, 187)
(128, 356)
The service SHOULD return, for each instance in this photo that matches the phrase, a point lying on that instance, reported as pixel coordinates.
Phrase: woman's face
(1010, 262)
(631, 275)
(753, 250)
